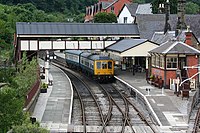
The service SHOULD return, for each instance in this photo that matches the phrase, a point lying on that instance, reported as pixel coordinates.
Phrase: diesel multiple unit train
(95, 65)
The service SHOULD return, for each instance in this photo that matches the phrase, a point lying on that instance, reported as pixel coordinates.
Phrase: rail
(196, 124)
(144, 97)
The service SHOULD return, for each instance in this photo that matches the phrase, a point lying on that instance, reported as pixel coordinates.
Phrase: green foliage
(10, 109)
(155, 6)
(44, 85)
(63, 6)
(192, 8)
(12, 96)
(139, 1)
(26, 75)
(28, 127)
(104, 17)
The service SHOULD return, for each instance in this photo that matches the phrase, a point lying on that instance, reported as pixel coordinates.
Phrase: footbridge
(37, 36)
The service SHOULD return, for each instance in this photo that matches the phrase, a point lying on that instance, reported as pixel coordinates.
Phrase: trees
(28, 127)
(155, 6)
(192, 8)
(10, 109)
(104, 17)
(12, 96)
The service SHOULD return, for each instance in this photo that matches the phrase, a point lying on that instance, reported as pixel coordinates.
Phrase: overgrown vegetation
(192, 6)
(104, 17)
(12, 96)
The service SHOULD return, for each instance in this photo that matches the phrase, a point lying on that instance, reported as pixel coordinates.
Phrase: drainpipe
(165, 72)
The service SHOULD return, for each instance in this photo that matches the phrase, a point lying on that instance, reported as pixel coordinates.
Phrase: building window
(157, 61)
(125, 19)
(162, 61)
(171, 62)
(153, 60)
(112, 9)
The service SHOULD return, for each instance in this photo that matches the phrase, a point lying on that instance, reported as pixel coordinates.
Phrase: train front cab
(104, 70)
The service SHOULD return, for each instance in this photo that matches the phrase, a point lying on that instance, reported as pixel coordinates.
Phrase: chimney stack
(167, 12)
(188, 36)
(181, 16)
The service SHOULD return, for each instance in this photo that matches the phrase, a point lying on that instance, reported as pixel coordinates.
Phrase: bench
(185, 93)
(157, 82)
(185, 90)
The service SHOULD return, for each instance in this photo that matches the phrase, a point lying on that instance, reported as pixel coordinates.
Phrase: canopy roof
(76, 29)
(175, 47)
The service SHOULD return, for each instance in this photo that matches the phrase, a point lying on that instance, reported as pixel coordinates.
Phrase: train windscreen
(109, 65)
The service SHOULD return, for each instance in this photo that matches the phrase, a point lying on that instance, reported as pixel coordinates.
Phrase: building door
(182, 63)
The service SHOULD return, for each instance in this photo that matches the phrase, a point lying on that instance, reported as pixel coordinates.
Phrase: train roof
(76, 52)
(96, 56)
(86, 54)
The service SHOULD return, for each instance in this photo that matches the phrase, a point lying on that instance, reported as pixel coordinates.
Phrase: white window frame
(162, 61)
(170, 57)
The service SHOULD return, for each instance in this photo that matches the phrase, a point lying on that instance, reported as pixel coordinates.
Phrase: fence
(31, 95)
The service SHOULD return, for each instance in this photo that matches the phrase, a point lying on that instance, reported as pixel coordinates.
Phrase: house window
(157, 61)
(112, 9)
(162, 61)
(125, 19)
(153, 60)
(171, 62)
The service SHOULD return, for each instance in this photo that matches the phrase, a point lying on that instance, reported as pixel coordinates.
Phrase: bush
(44, 85)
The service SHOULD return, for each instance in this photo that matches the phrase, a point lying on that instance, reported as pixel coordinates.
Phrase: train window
(91, 64)
(87, 63)
(104, 65)
(98, 65)
(109, 65)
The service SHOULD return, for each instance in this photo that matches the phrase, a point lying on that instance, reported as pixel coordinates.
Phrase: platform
(170, 110)
(53, 109)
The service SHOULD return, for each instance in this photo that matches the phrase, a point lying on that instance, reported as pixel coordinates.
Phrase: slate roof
(160, 37)
(75, 29)
(175, 47)
(105, 4)
(144, 9)
(148, 24)
(132, 8)
(125, 44)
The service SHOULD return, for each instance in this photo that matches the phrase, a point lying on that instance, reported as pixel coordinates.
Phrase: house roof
(148, 24)
(107, 4)
(75, 29)
(135, 8)
(160, 37)
(144, 9)
(175, 47)
(132, 8)
(125, 44)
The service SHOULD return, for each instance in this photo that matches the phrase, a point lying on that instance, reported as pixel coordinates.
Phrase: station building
(170, 59)
(129, 52)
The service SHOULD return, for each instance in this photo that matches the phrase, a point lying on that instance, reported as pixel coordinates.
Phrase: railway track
(113, 110)
(90, 109)
(132, 116)
(197, 123)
